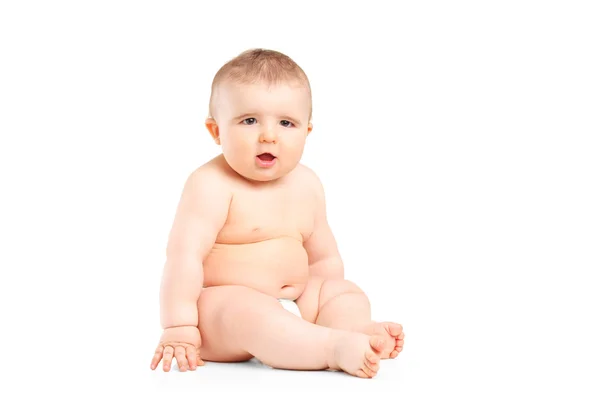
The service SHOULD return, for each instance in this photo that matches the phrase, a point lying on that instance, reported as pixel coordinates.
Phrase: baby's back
(261, 242)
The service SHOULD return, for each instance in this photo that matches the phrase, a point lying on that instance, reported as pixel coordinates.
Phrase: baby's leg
(340, 304)
(237, 323)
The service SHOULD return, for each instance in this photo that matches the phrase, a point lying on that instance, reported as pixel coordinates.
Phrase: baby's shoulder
(308, 178)
(210, 176)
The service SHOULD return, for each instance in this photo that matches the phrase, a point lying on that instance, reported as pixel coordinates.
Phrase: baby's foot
(355, 353)
(393, 334)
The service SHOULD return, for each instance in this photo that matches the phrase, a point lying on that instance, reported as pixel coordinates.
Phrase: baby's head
(260, 107)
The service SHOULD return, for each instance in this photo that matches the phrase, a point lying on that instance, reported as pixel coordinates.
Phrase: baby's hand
(184, 343)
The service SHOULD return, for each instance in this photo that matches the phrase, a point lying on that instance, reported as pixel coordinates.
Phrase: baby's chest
(260, 216)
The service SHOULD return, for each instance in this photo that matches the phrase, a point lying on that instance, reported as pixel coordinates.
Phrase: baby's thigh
(219, 308)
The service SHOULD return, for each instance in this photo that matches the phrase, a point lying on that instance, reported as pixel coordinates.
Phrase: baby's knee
(334, 287)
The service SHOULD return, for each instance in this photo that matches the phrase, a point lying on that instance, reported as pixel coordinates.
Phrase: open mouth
(266, 160)
(266, 157)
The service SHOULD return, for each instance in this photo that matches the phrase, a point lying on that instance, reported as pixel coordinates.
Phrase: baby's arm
(200, 215)
(323, 255)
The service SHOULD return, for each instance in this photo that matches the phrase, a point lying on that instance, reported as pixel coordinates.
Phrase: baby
(252, 267)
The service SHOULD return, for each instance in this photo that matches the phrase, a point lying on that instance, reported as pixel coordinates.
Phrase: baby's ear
(213, 129)
(310, 128)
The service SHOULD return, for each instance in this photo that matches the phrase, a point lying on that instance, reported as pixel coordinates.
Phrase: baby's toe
(372, 366)
(377, 343)
(371, 362)
(371, 357)
(397, 348)
(362, 374)
(399, 344)
(368, 370)
(394, 329)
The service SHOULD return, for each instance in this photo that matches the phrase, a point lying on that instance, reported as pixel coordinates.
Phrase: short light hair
(260, 66)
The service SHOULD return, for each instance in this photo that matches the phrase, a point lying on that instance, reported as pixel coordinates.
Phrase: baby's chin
(255, 174)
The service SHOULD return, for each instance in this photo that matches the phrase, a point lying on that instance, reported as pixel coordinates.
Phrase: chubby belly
(277, 267)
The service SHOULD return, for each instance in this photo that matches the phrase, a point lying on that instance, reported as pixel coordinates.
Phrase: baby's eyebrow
(243, 116)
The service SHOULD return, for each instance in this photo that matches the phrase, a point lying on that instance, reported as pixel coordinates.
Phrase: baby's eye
(287, 123)
(249, 121)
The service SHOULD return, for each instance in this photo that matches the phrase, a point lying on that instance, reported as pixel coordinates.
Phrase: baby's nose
(268, 135)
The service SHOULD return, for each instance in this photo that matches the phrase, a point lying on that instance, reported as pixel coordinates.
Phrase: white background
(458, 144)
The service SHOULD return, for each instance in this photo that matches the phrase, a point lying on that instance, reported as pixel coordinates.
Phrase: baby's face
(262, 130)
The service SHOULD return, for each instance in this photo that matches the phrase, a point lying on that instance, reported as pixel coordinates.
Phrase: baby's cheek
(240, 146)
(296, 144)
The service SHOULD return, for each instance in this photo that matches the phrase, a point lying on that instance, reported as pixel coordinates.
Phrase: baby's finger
(168, 357)
(198, 358)
(157, 356)
(190, 352)
(181, 360)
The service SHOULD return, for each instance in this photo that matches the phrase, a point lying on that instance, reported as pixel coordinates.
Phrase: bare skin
(246, 235)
